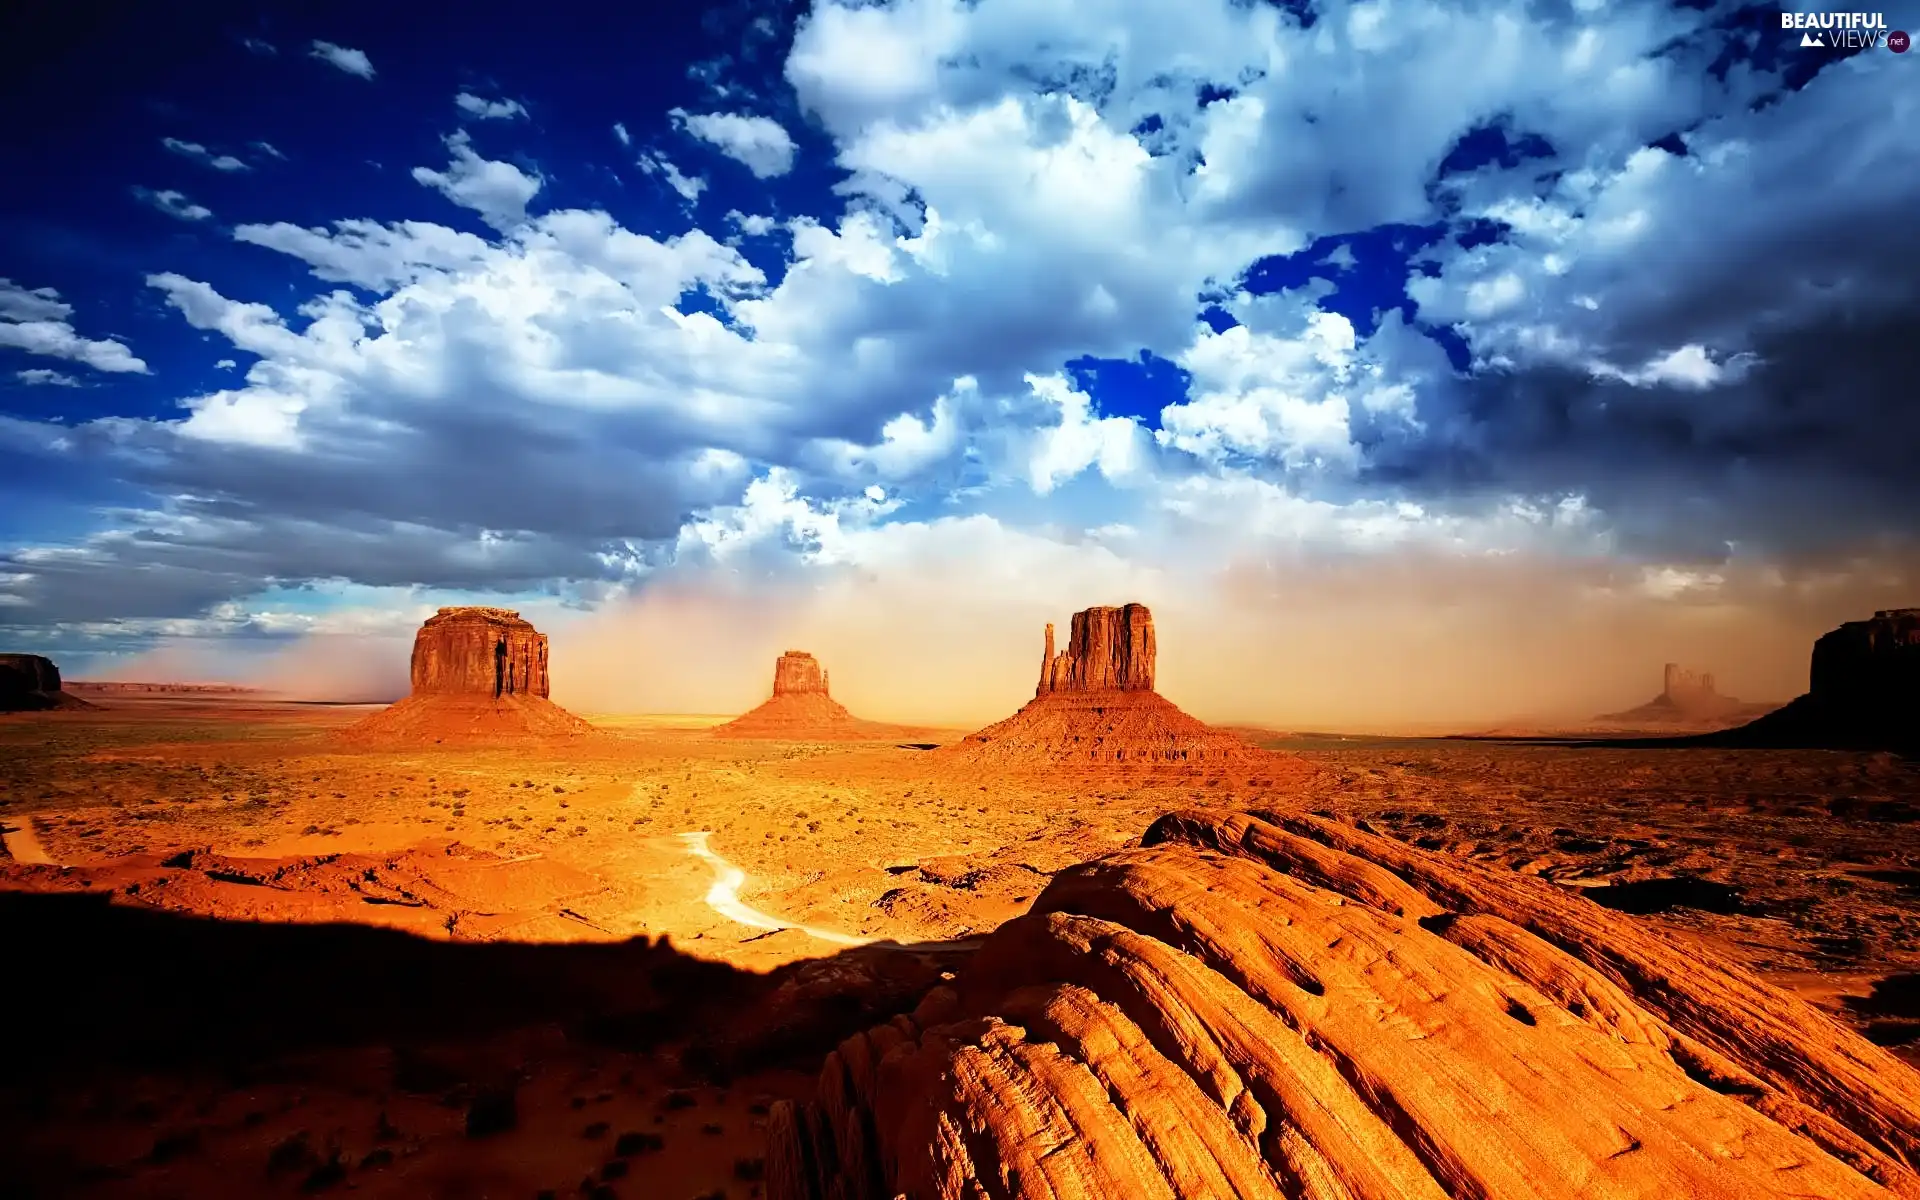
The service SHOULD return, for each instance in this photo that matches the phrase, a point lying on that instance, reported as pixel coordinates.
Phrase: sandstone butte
(1863, 692)
(1095, 704)
(1264, 1006)
(479, 676)
(1687, 698)
(800, 708)
(30, 682)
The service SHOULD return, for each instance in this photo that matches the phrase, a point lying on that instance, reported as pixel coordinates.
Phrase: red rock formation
(795, 673)
(1292, 1007)
(1687, 698)
(1864, 691)
(475, 651)
(1108, 649)
(479, 677)
(800, 709)
(1095, 705)
(30, 682)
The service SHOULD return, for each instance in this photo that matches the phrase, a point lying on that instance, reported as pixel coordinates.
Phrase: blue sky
(313, 321)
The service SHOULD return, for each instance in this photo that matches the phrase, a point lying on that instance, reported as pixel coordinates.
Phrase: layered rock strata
(1293, 1007)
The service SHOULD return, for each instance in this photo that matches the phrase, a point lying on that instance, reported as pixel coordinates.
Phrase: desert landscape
(471, 944)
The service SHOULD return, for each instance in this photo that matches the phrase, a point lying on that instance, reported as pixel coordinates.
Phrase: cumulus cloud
(353, 62)
(174, 204)
(761, 144)
(204, 156)
(36, 320)
(489, 110)
(688, 187)
(620, 132)
(498, 191)
(43, 377)
(270, 150)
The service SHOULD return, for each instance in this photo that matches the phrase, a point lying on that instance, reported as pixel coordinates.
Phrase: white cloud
(761, 144)
(751, 225)
(42, 377)
(225, 364)
(620, 131)
(35, 320)
(270, 150)
(259, 47)
(489, 110)
(498, 191)
(174, 204)
(353, 62)
(689, 187)
(204, 156)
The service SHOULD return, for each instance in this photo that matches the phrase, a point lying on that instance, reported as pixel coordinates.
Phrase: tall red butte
(479, 676)
(800, 708)
(1095, 704)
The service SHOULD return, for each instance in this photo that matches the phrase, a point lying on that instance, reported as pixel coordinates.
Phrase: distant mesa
(134, 687)
(31, 683)
(479, 676)
(800, 709)
(1687, 698)
(1279, 1006)
(1863, 692)
(1095, 704)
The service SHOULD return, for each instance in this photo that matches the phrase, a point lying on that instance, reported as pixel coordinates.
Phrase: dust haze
(1409, 642)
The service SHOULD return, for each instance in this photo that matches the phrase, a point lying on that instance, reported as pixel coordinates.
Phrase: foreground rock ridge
(479, 677)
(30, 682)
(1266, 1006)
(800, 708)
(1095, 705)
(1863, 691)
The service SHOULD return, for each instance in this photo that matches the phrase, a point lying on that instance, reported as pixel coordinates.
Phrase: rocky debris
(1863, 694)
(479, 677)
(801, 710)
(797, 673)
(1288, 1006)
(1108, 649)
(30, 682)
(1687, 698)
(1095, 705)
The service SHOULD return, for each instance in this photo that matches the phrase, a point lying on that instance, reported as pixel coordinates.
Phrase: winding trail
(724, 896)
(23, 844)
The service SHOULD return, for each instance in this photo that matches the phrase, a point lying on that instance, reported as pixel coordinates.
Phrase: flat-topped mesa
(1872, 663)
(30, 682)
(479, 651)
(797, 673)
(1108, 650)
(1683, 686)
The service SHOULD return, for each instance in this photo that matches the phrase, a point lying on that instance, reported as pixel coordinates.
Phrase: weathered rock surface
(1095, 705)
(801, 710)
(797, 673)
(1864, 691)
(1293, 1007)
(1687, 698)
(1108, 649)
(479, 651)
(30, 682)
(479, 678)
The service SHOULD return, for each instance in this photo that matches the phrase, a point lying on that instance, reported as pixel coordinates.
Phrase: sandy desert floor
(441, 973)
